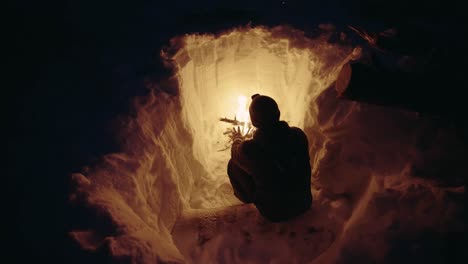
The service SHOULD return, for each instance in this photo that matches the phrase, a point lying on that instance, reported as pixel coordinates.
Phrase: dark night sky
(76, 64)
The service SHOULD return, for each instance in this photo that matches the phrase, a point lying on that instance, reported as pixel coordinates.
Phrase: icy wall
(165, 197)
(213, 72)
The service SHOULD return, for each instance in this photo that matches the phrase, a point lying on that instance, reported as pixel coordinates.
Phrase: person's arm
(240, 152)
(236, 149)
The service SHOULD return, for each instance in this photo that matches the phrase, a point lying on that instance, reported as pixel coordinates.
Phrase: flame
(242, 114)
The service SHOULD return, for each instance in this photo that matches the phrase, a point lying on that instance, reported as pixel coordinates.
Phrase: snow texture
(166, 197)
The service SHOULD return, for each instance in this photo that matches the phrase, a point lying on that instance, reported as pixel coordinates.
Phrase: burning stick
(246, 128)
(234, 121)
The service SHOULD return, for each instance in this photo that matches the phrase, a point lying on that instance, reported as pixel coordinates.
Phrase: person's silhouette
(272, 169)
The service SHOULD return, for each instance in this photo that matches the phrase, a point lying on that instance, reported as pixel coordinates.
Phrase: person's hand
(236, 134)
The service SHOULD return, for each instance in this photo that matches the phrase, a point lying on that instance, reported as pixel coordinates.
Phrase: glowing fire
(242, 114)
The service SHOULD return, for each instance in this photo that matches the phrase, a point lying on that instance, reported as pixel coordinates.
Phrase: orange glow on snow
(171, 164)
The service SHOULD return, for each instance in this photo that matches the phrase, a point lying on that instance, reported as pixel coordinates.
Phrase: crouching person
(272, 169)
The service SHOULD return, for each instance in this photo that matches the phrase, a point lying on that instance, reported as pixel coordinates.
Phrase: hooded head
(264, 111)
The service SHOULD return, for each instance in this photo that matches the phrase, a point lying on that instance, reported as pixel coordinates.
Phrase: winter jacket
(274, 168)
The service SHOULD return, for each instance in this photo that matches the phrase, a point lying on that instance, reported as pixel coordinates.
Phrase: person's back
(272, 170)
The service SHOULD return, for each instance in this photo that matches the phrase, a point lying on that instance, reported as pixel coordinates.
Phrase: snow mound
(166, 196)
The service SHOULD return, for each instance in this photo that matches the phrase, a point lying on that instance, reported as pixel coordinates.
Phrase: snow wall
(166, 197)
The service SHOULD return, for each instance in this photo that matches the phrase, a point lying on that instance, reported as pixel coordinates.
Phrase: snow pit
(166, 197)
